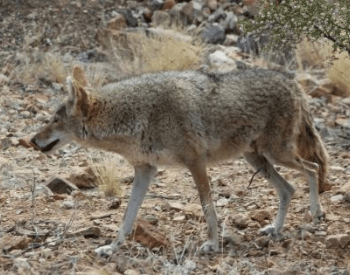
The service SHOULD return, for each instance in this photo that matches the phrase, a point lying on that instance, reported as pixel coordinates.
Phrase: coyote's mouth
(50, 146)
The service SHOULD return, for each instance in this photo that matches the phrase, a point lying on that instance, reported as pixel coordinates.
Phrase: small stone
(336, 241)
(262, 241)
(131, 272)
(240, 221)
(194, 209)
(4, 79)
(214, 34)
(177, 206)
(321, 234)
(168, 4)
(68, 204)
(337, 198)
(60, 186)
(345, 188)
(180, 218)
(9, 242)
(149, 236)
(84, 178)
(222, 202)
(117, 23)
(57, 86)
(89, 232)
(211, 4)
(161, 18)
(114, 204)
(25, 114)
(261, 215)
(151, 219)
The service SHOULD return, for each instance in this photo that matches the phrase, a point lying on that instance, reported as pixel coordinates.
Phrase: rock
(89, 232)
(187, 12)
(78, 195)
(177, 206)
(336, 241)
(60, 186)
(345, 188)
(157, 4)
(131, 20)
(322, 92)
(117, 23)
(9, 242)
(131, 272)
(337, 198)
(180, 218)
(149, 236)
(347, 197)
(193, 209)
(168, 4)
(68, 204)
(230, 22)
(211, 4)
(159, 32)
(57, 86)
(84, 178)
(114, 204)
(231, 39)
(4, 79)
(230, 237)
(161, 18)
(240, 221)
(214, 34)
(261, 215)
(221, 62)
(262, 241)
(307, 81)
(222, 202)
(153, 220)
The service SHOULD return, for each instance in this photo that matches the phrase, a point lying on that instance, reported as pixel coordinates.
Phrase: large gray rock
(214, 34)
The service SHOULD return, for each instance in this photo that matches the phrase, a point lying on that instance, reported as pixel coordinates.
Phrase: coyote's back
(191, 118)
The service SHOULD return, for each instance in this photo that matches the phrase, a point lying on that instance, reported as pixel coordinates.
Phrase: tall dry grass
(320, 55)
(107, 177)
(143, 54)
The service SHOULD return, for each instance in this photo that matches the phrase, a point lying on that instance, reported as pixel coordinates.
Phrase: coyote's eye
(55, 120)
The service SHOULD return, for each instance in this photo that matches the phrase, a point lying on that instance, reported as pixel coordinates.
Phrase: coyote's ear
(78, 97)
(80, 77)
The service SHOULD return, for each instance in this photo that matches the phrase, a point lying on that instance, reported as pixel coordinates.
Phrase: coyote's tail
(311, 148)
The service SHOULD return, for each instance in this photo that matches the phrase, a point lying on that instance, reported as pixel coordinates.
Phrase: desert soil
(46, 233)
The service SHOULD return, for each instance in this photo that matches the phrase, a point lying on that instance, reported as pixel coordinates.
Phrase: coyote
(194, 119)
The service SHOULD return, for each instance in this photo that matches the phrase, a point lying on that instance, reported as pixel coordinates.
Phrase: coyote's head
(68, 122)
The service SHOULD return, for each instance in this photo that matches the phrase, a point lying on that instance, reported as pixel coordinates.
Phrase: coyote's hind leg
(198, 171)
(284, 190)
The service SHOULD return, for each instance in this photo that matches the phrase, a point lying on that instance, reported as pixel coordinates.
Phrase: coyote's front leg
(143, 177)
(198, 170)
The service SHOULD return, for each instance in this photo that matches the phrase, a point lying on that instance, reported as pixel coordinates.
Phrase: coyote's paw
(105, 251)
(209, 246)
(318, 216)
(270, 230)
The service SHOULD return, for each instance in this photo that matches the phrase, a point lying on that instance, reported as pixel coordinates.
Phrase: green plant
(289, 21)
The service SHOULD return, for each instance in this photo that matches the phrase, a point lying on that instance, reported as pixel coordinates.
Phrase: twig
(251, 180)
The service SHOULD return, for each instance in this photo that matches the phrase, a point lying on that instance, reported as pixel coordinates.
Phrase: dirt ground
(43, 233)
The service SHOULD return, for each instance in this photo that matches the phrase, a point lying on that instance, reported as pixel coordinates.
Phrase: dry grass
(338, 73)
(35, 66)
(107, 177)
(312, 55)
(142, 54)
